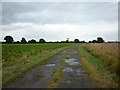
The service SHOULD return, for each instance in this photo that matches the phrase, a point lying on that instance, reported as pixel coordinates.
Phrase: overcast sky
(57, 21)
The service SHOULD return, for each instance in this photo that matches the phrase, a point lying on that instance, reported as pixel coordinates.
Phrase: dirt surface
(41, 76)
(74, 75)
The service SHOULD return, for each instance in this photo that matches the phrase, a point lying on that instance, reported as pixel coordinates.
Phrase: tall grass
(107, 52)
(101, 61)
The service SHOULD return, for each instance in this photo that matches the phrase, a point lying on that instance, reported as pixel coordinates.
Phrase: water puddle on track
(71, 61)
(50, 65)
(67, 69)
(75, 52)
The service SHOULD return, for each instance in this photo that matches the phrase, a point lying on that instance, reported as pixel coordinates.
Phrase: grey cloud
(61, 31)
(65, 12)
(80, 20)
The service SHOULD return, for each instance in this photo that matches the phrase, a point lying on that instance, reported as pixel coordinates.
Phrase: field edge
(40, 60)
(97, 73)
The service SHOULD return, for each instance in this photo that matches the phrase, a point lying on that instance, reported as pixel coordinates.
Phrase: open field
(61, 71)
(98, 61)
(19, 58)
(101, 62)
(14, 53)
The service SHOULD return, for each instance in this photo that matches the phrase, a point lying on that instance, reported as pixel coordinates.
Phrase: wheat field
(107, 52)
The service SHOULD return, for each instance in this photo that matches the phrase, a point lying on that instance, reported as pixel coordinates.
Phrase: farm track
(41, 76)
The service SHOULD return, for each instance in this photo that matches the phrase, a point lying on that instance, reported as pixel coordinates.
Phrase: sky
(57, 21)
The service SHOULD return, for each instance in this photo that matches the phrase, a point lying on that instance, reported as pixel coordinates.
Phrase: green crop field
(18, 58)
(13, 53)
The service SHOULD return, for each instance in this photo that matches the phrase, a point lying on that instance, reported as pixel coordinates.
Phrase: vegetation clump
(101, 63)
(57, 75)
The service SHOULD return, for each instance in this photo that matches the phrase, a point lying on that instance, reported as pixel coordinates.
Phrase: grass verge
(96, 70)
(57, 76)
(12, 73)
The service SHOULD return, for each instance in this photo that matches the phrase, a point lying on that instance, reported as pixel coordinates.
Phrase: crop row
(12, 53)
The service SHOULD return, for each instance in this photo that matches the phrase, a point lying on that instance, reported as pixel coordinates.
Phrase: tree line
(9, 39)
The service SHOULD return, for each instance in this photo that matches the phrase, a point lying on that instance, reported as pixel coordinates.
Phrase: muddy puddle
(74, 75)
(75, 52)
(78, 72)
(63, 52)
(72, 61)
(50, 65)
(67, 69)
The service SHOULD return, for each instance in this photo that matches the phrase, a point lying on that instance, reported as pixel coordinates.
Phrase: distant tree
(67, 41)
(82, 41)
(32, 41)
(94, 41)
(62, 41)
(50, 42)
(23, 40)
(9, 39)
(57, 41)
(71, 41)
(17, 42)
(76, 40)
(42, 40)
(100, 40)
(90, 41)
